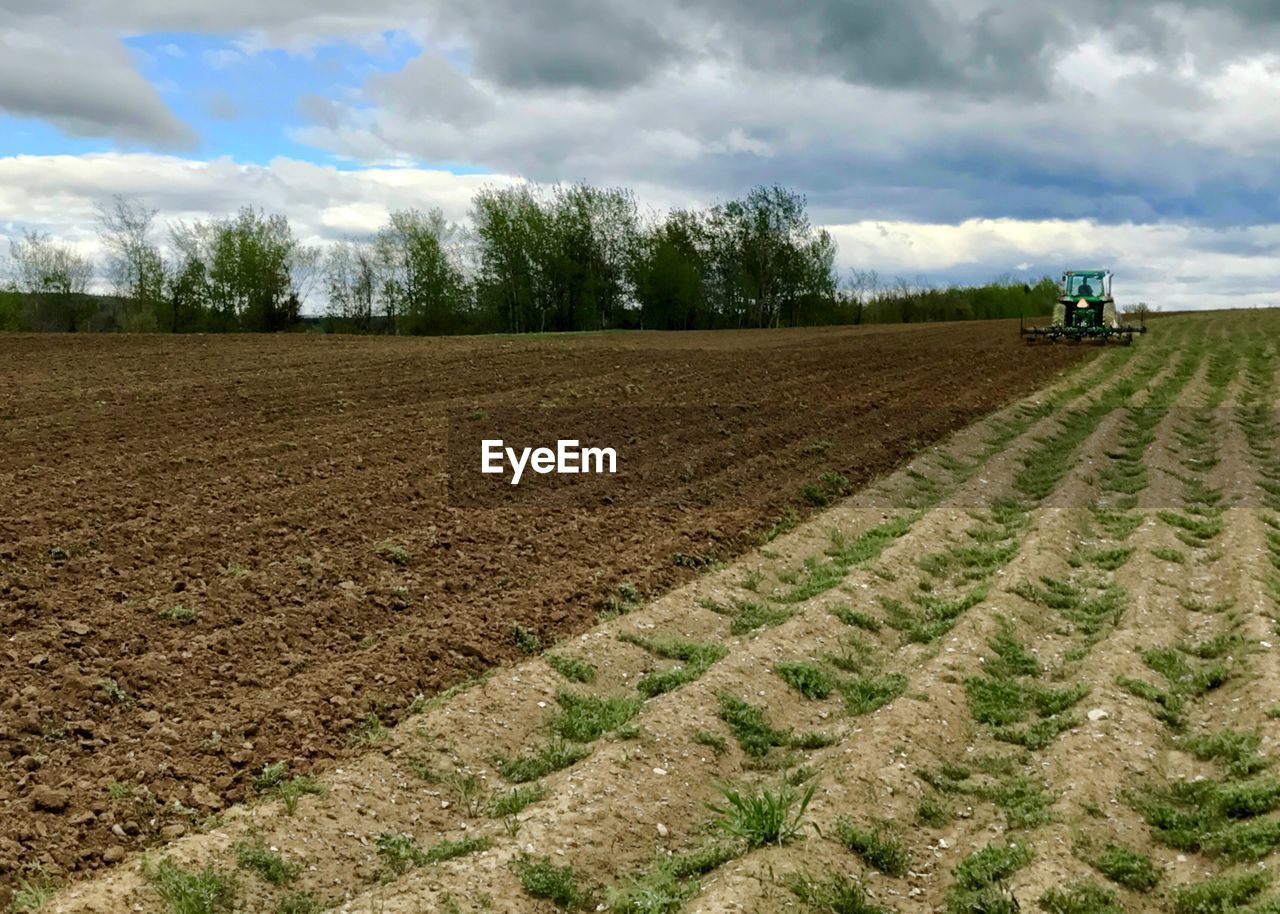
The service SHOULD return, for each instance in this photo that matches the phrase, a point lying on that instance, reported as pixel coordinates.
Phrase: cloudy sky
(950, 139)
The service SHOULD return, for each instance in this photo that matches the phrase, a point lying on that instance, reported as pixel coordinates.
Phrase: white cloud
(1176, 267)
(57, 194)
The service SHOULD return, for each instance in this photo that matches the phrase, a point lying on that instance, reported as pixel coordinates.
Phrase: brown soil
(291, 491)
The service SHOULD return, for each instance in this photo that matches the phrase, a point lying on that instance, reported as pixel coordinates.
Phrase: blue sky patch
(243, 103)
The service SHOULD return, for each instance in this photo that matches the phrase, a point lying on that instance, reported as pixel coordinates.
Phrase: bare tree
(1140, 312)
(55, 276)
(134, 265)
(352, 280)
(863, 287)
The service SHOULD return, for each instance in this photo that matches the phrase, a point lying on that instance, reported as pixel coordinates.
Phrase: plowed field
(219, 553)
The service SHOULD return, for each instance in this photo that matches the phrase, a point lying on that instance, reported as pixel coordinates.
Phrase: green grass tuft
(541, 878)
(932, 617)
(206, 892)
(880, 846)
(992, 864)
(1221, 895)
(857, 619)
(450, 850)
(183, 615)
(400, 853)
(32, 893)
(979, 880)
(1195, 531)
(297, 787)
(391, 552)
(932, 812)
(1080, 897)
(751, 727)
(747, 616)
(513, 801)
(552, 756)
(623, 599)
(762, 817)
(811, 681)
(1237, 751)
(713, 740)
(1219, 817)
(865, 694)
(585, 718)
(695, 660)
(267, 863)
(821, 575)
(525, 639)
(659, 891)
(835, 894)
(571, 668)
(1026, 804)
(1123, 866)
(299, 903)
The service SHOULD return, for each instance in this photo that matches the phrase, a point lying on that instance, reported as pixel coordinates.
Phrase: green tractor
(1085, 310)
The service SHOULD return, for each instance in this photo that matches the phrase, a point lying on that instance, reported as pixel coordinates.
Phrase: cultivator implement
(1085, 312)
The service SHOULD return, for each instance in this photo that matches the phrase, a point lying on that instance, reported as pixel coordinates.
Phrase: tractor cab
(1091, 285)
(1085, 302)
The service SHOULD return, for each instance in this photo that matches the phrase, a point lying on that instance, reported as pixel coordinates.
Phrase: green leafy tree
(422, 286)
(247, 271)
(592, 234)
(670, 273)
(511, 241)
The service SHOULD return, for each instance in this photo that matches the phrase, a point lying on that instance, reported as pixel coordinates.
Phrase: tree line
(531, 259)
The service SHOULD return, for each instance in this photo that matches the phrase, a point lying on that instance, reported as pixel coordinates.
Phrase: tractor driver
(1085, 288)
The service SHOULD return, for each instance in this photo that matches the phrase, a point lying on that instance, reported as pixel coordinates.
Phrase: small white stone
(659, 771)
(662, 830)
(1097, 714)
(942, 843)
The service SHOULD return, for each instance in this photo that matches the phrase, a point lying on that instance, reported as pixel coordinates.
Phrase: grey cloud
(908, 44)
(283, 18)
(580, 44)
(1212, 33)
(85, 85)
(430, 87)
(862, 153)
